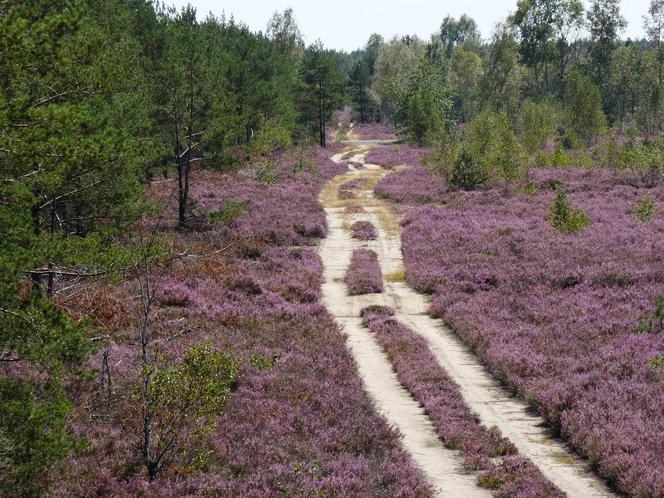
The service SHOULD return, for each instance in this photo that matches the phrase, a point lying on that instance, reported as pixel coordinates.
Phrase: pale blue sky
(347, 24)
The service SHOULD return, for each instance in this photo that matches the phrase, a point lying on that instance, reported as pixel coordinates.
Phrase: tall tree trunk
(51, 276)
(37, 278)
(562, 64)
(182, 202)
(321, 115)
(190, 140)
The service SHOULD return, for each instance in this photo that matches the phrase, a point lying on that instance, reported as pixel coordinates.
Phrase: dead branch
(68, 194)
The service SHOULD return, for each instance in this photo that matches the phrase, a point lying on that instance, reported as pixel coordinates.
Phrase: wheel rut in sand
(482, 393)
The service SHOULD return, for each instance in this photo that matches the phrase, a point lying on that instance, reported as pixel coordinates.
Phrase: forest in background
(100, 98)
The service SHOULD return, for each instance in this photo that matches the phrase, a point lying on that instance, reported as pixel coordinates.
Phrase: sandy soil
(484, 395)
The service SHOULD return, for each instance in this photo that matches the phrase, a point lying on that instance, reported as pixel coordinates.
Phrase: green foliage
(508, 158)
(395, 64)
(493, 146)
(481, 136)
(583, 106)
(34, 435)
(263, 363)
(184, 401)
(571, 140)
(34, 410)
(273, 137)
(529, 189)
(645, 209)
(342, 132)
(427, 104)
(561, 158)
(231, 210)
(623, 82)
(306, 160)
(466, 173)
(486, 152)
(563, 217)
(605, 24)
(537, 124)
(657, 363)
(465, 76)
(263, 173)
(502, 84)
(653, 321)
(322, 89)
(545, 28)
(360, 82)
(457, 33)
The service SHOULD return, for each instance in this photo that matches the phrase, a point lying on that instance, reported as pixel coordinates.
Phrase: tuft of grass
(657, 363)
(645, 209)
(396, 276)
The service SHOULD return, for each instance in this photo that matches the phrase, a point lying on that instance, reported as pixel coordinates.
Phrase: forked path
(483, 394)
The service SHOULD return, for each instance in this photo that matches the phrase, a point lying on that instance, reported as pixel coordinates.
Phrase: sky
(347, 24)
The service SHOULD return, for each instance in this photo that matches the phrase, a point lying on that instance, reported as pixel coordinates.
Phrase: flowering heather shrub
(363, 276)
(414, 185)
(348, 189)
(363, 230)
(457, 426)
(374, 131)
(555, 316)
(354, 209)
(390, 156)
(299, 422)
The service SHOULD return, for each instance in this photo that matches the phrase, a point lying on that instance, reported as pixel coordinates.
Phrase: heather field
(255, 258)
(298, 422)
(374, 131)
(567, 321)
(363, 230)
(390, 156)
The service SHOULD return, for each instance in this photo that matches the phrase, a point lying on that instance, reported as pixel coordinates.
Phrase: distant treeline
(547, 51)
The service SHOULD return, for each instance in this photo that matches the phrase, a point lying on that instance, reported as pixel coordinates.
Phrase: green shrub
(563, 217)
(306, 159)
(466, 173)
(571, 141)
(537, 124)
(273, 137)
(263, 173)
(342, 132)
(507, 156)
(529, 189)
(645, 209)
(609, 154)
(183, 401)
(657, 363)
(583, 106)
(541, 159)
(561, 158)
(653, 321)
(231, 210)
(482, 136)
